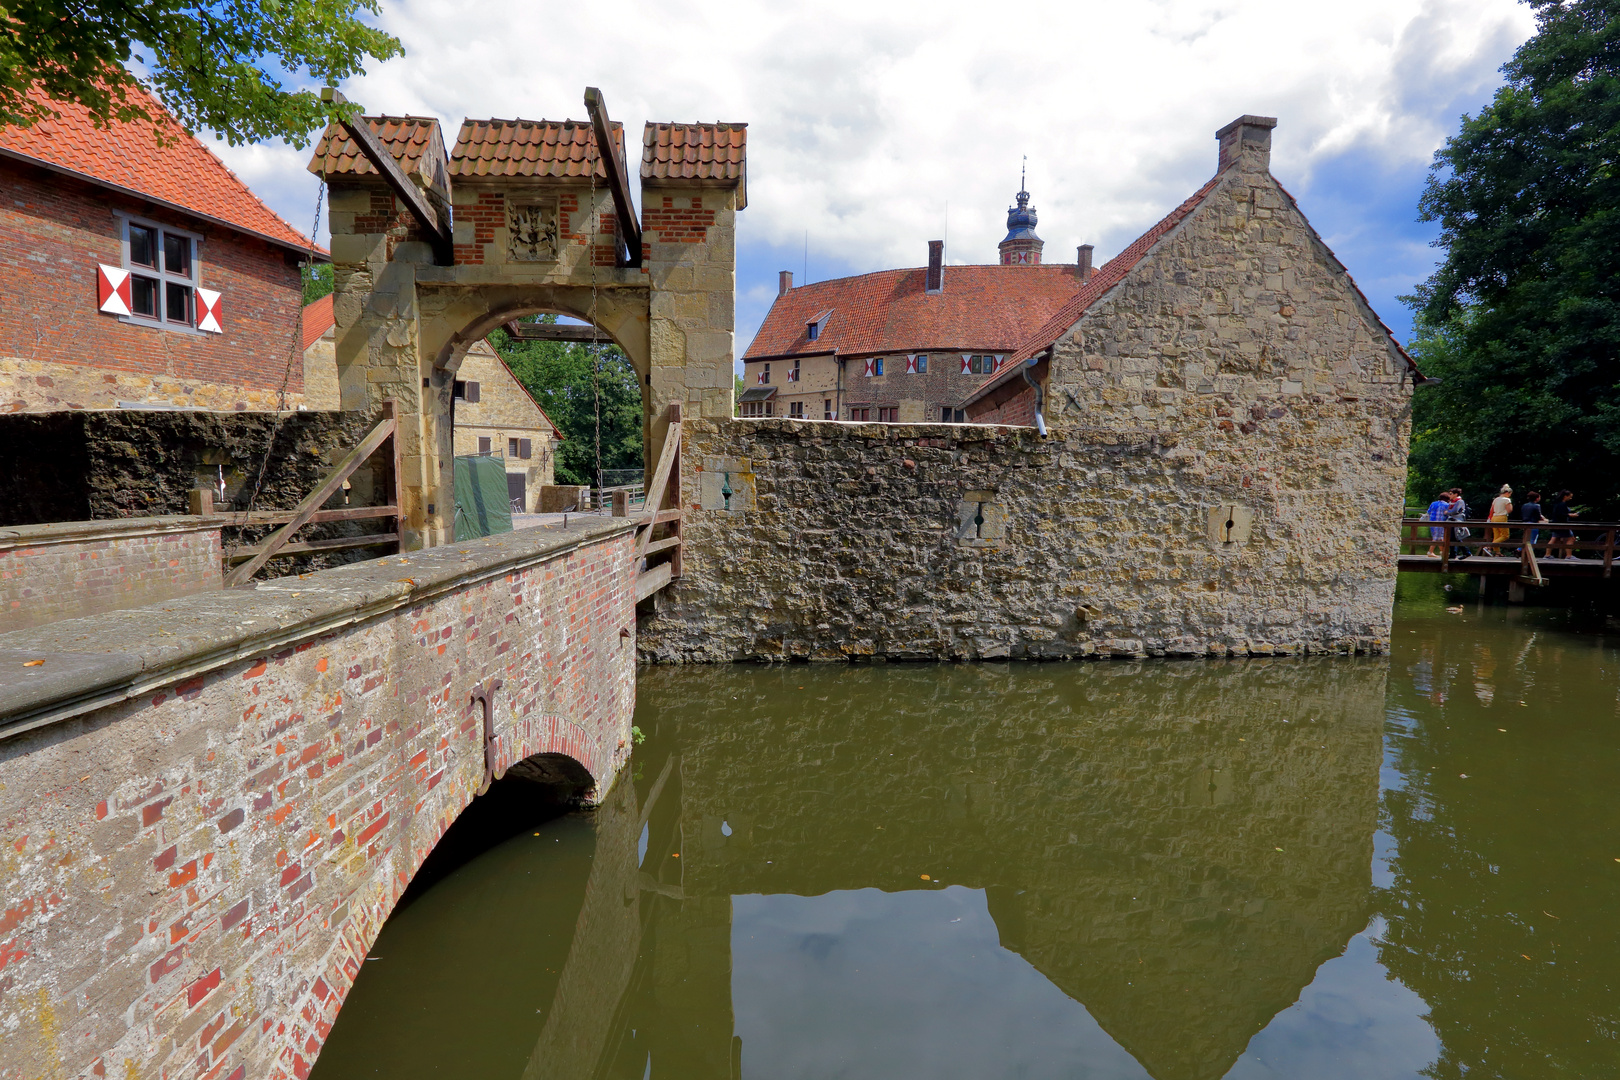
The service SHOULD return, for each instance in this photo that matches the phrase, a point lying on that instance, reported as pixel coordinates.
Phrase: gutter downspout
(1040, 394)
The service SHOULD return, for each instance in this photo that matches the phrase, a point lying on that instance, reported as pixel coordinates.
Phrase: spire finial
(1023, 169)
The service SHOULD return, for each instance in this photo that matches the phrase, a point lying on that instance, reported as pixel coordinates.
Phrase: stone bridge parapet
(209, 806)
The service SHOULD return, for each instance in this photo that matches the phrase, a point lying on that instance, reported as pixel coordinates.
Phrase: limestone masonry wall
(1224, 475)
(51, 572)
(195, 869)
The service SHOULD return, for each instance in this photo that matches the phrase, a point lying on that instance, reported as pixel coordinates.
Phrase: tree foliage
(210, 64)
(317, 278)
(1522, 318)
(560, 375)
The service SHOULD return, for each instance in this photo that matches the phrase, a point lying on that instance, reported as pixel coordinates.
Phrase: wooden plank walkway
(1568, 549)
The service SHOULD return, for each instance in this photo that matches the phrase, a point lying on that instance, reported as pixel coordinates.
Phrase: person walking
(1437, 512)
(1530, 514)
(1501, 510)
(1458, 512)
(1558, 514)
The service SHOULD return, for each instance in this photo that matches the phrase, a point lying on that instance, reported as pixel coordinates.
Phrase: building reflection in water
(1177, 847)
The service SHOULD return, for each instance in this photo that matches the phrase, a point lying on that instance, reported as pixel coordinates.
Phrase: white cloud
(867, 119)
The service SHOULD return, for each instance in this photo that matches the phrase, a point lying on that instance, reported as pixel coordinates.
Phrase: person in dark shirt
(1559, 513)
(1530, 514)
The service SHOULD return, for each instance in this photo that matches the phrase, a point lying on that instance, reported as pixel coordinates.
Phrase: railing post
(1445, 550)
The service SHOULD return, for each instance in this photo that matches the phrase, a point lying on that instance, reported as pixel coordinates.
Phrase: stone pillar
(690, 240)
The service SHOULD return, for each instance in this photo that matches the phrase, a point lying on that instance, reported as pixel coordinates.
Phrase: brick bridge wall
(69, 569)
(208, 807)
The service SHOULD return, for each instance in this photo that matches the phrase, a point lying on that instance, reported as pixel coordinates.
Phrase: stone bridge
(209, 806)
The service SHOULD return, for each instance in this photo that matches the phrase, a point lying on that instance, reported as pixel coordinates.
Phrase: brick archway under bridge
(432, 249)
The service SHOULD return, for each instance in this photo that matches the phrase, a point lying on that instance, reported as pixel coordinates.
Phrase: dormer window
(813, 328)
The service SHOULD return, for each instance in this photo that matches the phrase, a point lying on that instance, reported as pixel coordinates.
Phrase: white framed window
(796, 410)
(793, 372)
(164, 274)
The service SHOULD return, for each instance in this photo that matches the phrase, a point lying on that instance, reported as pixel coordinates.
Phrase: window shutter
(911, 365)
(871, 367)
(112, 289)
(472, 393)
(524, 448)
(483, 444)
(208, 311)
(967, 363)
(764, 376)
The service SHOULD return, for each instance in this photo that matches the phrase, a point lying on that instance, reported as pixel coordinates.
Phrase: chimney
(936, 267)
(784, 282)
(1083, 270)
(1247, 138)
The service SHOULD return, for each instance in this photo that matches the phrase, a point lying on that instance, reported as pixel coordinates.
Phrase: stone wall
(82, 466)
(64, 571)
(851, 541)
(210, 808)
(1233, 374)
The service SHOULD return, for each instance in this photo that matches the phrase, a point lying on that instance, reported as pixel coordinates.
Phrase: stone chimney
(784, 282)
(1083, 267)
(936, 267)
(1248, 138)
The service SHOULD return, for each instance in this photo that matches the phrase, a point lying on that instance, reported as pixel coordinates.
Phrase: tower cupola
(1021, 247)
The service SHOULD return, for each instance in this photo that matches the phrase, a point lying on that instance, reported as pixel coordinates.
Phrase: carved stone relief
(531, 231)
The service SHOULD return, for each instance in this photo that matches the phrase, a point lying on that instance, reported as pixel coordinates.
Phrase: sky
(874, 128)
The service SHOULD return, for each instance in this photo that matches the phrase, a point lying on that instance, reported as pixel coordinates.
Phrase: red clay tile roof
(317, 320)
(539, 148)
(989, 308)
(408, 138)
(1106, 277)
(183, 173)
(704, 153)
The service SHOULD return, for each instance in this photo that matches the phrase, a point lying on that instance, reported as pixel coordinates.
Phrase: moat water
(1354, 867)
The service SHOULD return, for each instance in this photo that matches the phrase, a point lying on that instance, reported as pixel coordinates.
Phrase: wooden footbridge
(1495, 548)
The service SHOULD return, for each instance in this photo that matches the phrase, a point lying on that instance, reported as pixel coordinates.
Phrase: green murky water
(1293, 868)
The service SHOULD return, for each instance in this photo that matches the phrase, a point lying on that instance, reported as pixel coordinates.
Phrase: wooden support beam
(336, 543)
(439, 231)
(312, 502)
(663, 545)
(348, 513)
(618, 179)
(557, 332)
(651, 581)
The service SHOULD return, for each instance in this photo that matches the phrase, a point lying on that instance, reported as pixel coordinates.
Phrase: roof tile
(182, 172)
(991, 308)
(549, 149)
(713, 152)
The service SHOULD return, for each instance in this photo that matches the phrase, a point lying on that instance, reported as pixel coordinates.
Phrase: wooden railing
(660, 556)
(1583, 545)
(250, 559)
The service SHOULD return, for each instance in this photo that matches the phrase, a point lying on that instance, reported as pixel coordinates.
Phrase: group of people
(1450, 506)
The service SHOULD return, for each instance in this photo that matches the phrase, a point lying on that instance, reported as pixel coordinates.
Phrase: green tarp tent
(482, 506)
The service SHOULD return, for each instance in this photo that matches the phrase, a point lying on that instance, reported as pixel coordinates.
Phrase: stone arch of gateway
(212, 804)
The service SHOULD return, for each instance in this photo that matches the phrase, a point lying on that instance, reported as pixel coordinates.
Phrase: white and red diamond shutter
(208, 311)
(112, 289)
(966, 364)
(911, 365)
(763, 375)
(871, 367)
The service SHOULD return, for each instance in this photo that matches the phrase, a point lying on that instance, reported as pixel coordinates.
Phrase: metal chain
(295, 353)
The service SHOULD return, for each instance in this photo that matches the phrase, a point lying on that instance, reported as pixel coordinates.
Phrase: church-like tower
(1021, 247)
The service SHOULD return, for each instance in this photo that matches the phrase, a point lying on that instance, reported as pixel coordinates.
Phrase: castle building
(904, 345)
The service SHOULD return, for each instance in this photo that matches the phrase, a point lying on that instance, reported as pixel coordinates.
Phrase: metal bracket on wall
(483, 694)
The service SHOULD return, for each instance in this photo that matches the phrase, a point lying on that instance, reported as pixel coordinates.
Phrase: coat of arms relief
(531, 232)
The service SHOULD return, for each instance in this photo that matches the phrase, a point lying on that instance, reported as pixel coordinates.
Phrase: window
(877, 365)
(465, 391)
(888, 414)
(511, 448)
(483, 444)
(796, 410)
(922, 364)
(976, 364)
(793, 372)
(827, 410)
(860, 412)
(812, 331)
(765, 374)
(753, 408)
(948, 415)
(162, 265)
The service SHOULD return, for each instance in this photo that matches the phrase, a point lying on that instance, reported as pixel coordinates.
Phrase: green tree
(567, 379)
(736, 395)
(210, 64)
(1521, 320)
(317, 281)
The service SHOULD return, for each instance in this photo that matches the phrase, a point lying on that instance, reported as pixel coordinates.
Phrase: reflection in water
(1105, 870)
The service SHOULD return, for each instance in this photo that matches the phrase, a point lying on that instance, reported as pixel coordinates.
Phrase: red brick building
(904, 345)
(139, 273)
